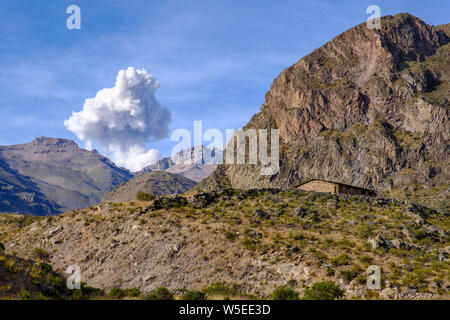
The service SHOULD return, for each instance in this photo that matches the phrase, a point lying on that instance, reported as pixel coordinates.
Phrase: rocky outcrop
(369, 108)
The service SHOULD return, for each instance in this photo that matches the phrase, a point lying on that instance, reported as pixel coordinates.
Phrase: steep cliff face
(369, 108)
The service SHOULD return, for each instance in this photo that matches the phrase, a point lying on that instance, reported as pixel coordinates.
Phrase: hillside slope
(55, 173)
(158, 183)
(256, 239)
(369, 108)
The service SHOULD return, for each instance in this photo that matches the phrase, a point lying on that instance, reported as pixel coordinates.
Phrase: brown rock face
(369, 108)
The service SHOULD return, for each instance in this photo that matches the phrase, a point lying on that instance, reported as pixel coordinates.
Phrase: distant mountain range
(190, 163)
(53, 175)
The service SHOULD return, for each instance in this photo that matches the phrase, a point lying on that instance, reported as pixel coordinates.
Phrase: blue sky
(214, 59)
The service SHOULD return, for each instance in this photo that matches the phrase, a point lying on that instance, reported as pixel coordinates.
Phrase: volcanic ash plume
(123, 119)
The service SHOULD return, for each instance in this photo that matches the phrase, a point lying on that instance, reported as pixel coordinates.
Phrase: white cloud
(123, 119)
(135, 158)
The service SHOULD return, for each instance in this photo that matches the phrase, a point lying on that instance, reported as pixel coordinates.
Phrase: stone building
(319, 185)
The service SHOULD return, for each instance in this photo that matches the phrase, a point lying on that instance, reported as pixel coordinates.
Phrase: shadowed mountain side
(59, 172)
(19, 194)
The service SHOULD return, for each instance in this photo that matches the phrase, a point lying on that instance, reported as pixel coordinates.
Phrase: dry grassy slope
(12, 223)
(192, 245)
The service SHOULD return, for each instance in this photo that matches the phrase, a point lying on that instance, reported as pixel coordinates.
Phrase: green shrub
(330, 272)
(25, 295)
(2, 247)
(85, 292)
(221, 288)
(284, 293)
(133, 292)
(161, 293)
(365, 230)
(248, 244)
(326, 290)
(143, 196)
(40, 253)
(349, 275)
(230, 235)
(366, 259)
(341, 260)
(194, 295)
(118, 293)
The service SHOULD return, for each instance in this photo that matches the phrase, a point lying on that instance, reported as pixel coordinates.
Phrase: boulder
(389, 292)
(261, 214)
(442, 255)
(380, 242)
(305, 214)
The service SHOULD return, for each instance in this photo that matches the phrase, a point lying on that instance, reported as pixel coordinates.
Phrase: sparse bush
(118, 293)
(194, 295)
(284, 293)
(366, 259)
(298, 236)
(248, 244)
(143, 196)
(349, 275)
(230, 235)
(40, 253)
(133, 292)
(25, 295)
(341, 260)
(330, 272)
(161, 293)
(326, 290)
(365, 230)
(85, 292)
(221, 288)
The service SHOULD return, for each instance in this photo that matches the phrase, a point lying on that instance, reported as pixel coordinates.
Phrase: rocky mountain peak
(369, 108)
(353, 77)
(47, 141)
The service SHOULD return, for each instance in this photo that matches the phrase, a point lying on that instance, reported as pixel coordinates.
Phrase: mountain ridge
(374, 115)
(192, 163)
(63, 176)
